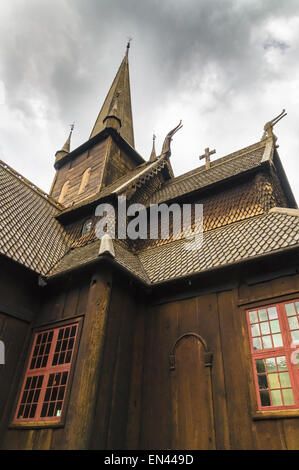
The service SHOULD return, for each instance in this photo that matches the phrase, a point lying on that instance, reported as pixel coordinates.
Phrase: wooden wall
(98, 403)
(19, 303)
(107, 161)
(118, 163)
(168, 417)
(73, 171)
(139, 383)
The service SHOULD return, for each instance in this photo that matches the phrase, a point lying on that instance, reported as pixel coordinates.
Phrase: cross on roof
(207, 155)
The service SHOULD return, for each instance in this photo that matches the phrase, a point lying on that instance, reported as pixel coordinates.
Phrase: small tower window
(64, 191)
(86, 227)
(85, 180)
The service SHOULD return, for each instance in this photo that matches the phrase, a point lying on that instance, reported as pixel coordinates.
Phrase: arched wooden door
(193, 422)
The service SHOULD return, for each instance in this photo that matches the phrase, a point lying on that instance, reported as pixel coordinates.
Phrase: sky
(225, 67)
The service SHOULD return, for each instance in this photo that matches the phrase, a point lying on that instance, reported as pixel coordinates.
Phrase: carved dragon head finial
(268, 127)
(168, 139)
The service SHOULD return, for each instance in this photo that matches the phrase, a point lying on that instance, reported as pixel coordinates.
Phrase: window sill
(36, 424)
(276, 414)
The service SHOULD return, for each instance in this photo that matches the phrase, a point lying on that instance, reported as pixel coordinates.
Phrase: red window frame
(275, 354)
(42, 396)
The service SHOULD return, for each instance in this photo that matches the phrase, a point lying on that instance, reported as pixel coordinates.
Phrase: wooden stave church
(162, 355)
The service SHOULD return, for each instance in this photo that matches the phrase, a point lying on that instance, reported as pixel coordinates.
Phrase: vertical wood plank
(80, 417)
(136, 399)
(240, 423)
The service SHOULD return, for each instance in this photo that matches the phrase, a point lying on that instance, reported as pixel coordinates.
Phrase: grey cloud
(64, 54)
(274, 44)
(55, 48)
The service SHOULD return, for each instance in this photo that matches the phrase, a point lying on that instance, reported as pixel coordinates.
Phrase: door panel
(192, 397)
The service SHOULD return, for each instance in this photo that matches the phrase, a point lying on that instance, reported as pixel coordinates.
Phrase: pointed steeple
(117, 104)
(67, 146)
(153, 156)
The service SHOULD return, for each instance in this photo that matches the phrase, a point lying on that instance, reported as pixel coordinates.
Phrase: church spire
(153, 156)
(117, 104)
(67, 146)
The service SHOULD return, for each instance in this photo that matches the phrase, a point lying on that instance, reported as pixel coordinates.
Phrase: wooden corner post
(90, 358)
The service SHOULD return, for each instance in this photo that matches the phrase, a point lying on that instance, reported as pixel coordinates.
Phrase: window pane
(255, 330)
(273, 381)
(293, 323)
(272, 312)
(260, 365)
(295, 335)
(267, 343)
(265, 328)
(290, 309)
(263, 383)
(285, 379)
(276, 398)
(86, 227)
(265, 398)
(277, 341)
(275, 328)
(253, 317)
(270, 364)
(263, 315)
(281, 363)
(257, 343)
(288, 396)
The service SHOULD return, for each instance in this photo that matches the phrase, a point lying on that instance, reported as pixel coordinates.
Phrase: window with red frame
(43, 393)
(274, 339)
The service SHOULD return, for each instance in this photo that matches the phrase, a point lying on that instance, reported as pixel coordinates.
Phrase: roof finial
(67, 146)
(128, 46)
(166, 145)
(106, 246)
(268, 127)
(207, 156)
(153, 156)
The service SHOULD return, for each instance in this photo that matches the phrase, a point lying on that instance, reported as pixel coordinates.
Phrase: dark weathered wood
(107, 373)
(209, 328)
(117, 429)
(136, 380)
(193, 426)
(240, 422)
(14, 334)
(124, 394)
(78, 427)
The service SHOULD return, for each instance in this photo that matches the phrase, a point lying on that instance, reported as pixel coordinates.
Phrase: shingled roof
(221, 169)
(80, 256)
(231, 244)
(30, 234)
(277, 230)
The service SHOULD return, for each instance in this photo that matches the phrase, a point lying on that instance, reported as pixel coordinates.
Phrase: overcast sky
(224, 67)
